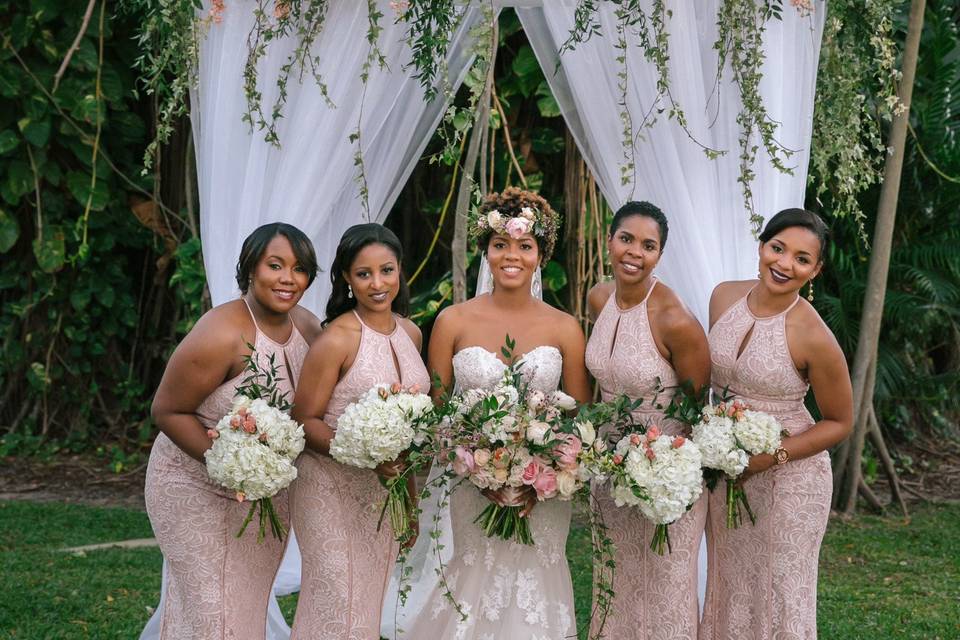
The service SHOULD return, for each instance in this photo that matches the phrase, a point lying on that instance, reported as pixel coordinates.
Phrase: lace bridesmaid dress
(335, 508)
(656, 596)
(762, 579)
(217, 586)
(509, 591)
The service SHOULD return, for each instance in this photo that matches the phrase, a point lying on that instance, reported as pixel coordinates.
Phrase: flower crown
(528, 221)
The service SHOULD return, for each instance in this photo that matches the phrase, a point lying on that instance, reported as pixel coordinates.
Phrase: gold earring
(810, 292)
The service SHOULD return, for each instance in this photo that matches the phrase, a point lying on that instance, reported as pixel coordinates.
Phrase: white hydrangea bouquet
(658, 474)
(728, 434)
(255, 445)
(385, 423)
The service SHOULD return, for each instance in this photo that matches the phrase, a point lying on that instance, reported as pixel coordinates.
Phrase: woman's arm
(440, 352)
(319, 376)
(572, 345)
(830, 380)
(200, 363)
(687, 343)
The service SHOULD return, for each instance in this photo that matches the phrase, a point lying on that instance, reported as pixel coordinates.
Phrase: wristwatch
(781, 455)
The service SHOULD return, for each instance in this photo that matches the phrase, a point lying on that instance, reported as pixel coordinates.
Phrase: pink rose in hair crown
(516, 227)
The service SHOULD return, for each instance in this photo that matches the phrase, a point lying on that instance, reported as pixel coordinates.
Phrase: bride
(507, 590)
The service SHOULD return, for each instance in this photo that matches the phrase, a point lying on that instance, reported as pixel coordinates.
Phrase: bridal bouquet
(385, 423)
(516, 441)
(254, 447)
(660, 475)
(728, 434)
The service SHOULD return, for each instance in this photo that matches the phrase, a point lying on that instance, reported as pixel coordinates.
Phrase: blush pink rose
(516, 227)
(617, 458)
(463, 463)
(546, 483)
(568, 451)
(531, 472)
(651, 455)
(678, 442)
(236, 422)
(249, 424)
(635, 440)
(653, 433)
(213, 434)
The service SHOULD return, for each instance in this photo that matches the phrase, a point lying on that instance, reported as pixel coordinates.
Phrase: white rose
(535, 400)
(481, 457)
(494, 219)
(564, 401)
(566, 483)
(587, 433)
(537, 431)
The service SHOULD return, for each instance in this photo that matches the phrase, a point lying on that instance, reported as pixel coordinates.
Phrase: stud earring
(349, 291)
(810, 292)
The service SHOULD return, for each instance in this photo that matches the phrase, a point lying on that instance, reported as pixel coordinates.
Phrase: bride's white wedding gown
(509, 591)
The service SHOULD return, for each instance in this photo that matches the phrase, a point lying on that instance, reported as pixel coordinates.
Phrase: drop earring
(349, 291)
(810, 292)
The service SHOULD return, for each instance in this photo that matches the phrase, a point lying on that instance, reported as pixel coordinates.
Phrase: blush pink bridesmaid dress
(217, 586)
(335, 508)
(655, 596)
(762, 578)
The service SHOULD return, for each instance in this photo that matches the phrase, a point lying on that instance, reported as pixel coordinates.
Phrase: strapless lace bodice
(477, 368)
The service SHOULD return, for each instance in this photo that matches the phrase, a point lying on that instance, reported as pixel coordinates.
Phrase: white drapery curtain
(309, 180)
(710, 235)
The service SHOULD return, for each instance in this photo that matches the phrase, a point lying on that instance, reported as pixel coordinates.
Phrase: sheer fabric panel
(310, 179)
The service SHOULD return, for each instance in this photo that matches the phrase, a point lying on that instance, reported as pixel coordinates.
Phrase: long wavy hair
(352, 242)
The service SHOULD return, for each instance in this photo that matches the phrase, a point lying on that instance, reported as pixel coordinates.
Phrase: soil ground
(929, 471)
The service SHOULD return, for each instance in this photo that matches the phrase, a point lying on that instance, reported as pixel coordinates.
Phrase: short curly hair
(510, 202)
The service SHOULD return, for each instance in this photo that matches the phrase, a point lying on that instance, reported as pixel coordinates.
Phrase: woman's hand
(413, 535)
(758, 463)
(508, 496)
(392, 469)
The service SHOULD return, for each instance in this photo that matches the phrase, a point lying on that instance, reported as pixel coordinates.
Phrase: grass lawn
(879, 577)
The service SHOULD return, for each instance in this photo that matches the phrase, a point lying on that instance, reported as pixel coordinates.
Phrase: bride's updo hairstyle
(514, 212)
(798, 218)
(353, 241)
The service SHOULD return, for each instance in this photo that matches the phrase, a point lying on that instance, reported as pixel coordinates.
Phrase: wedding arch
(316, 111)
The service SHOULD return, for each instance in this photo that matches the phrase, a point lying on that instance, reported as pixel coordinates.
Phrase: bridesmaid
(218, 586)
(769, 346)
(335, 508)
(644, 337)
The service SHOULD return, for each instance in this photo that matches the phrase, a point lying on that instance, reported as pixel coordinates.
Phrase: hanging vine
(855, 84)
(848, 149)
